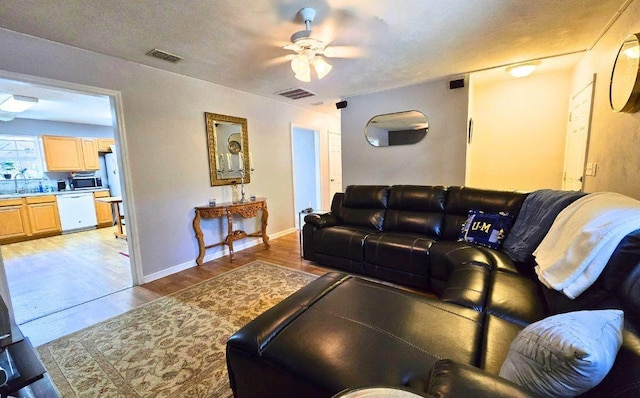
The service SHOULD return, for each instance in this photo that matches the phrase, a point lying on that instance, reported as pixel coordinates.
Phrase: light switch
(590, 169)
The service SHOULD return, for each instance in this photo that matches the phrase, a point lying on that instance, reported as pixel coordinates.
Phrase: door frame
(331, 189)
(591, 83)
(316, 144)
(117, 113)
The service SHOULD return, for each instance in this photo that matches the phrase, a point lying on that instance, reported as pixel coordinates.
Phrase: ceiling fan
(310, 51)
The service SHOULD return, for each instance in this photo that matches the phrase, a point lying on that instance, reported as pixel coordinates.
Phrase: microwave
(86, 182)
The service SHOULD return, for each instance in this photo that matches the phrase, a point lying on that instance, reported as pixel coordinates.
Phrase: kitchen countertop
(30, 194)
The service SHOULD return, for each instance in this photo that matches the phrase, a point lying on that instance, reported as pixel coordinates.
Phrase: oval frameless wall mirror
(624, 90)
(401, 128)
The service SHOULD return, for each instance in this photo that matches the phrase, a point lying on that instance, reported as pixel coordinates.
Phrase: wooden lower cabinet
(28, 218)
(103, 210)
(43, 215)
(14, 221)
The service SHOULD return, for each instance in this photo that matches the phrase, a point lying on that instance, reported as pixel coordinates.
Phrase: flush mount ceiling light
(6, 117)
(522, 70)
(18, 103)
(310, 51)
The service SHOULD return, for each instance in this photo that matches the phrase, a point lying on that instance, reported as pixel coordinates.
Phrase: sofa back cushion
(416, 209)
(364, 205)
(462, 199)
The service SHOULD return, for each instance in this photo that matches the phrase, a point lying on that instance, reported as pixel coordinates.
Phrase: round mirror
(624, 90)
(401, 128)
(234, 143)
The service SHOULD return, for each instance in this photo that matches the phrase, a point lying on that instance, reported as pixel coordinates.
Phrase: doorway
(49, 275)
(306, 170)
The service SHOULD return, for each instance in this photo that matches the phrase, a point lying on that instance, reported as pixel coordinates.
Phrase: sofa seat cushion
(402, 251)
(341, 241)
(343, 339)
(445, 256)
(515, 298)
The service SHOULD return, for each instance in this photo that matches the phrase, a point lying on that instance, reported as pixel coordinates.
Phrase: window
(20, 152)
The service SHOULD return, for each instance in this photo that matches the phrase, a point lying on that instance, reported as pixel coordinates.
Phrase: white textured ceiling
(239, 43)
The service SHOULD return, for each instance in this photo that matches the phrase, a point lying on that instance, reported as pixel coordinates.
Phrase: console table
(245, 209)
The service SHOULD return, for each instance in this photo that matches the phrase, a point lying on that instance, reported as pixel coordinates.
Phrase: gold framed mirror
(228, 144)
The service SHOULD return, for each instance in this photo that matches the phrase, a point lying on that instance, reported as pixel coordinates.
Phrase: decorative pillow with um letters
(487, 230)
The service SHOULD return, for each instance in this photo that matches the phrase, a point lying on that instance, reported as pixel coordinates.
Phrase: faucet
(15, 181)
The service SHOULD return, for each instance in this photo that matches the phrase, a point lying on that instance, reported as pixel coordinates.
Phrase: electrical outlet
(590, 169)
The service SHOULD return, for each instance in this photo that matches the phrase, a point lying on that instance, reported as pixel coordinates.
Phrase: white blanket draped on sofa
(582, 238)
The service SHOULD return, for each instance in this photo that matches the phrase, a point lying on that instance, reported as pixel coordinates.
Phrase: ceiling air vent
(165, 55)
(296, 93)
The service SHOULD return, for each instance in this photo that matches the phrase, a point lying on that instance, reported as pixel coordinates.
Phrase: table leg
(265, 217)
(120, 232)
(229, 239)
(199, 238)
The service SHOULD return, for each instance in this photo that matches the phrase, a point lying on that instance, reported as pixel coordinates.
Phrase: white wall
(166, 143)
(439, 159)
(519, 130)
(615, 137)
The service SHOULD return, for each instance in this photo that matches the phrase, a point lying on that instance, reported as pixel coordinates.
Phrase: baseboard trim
(238, 247)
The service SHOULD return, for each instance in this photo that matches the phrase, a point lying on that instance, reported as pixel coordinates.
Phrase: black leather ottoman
(342, 332)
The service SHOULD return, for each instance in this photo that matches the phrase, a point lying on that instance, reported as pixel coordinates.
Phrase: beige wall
(166, 143)
(615, 137)
(439, 159)
(519, 130)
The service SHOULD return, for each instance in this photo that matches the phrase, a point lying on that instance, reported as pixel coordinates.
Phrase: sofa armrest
(452, 379)
(321, 220)
(467, 286)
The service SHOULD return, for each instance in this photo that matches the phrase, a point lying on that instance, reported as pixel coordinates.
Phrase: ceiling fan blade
(292, 47)
(279, 60)
(344, 52)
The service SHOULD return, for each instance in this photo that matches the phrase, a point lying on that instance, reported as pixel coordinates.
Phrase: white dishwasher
(77, 211)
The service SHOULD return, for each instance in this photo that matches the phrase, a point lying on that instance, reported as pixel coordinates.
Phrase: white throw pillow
(565, 355)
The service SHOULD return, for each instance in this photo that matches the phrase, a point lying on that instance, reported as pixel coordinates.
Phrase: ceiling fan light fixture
(322, 67)
(522, 70)
(300, 66)
(18, 103)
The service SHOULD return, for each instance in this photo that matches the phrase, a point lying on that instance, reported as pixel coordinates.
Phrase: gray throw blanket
(539, 210)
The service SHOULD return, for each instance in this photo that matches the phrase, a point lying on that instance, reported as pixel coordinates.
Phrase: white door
(306, 170)
(577, 139)
(335, 163)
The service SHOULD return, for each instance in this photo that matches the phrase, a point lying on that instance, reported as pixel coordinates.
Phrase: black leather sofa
(344, 331)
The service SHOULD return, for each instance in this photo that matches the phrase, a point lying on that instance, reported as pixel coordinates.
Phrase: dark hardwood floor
(284, 251)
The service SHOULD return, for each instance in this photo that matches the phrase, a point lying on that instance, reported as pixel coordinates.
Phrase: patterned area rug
(174, 346)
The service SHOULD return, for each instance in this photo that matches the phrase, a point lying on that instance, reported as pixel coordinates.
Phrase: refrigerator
(113, 176)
